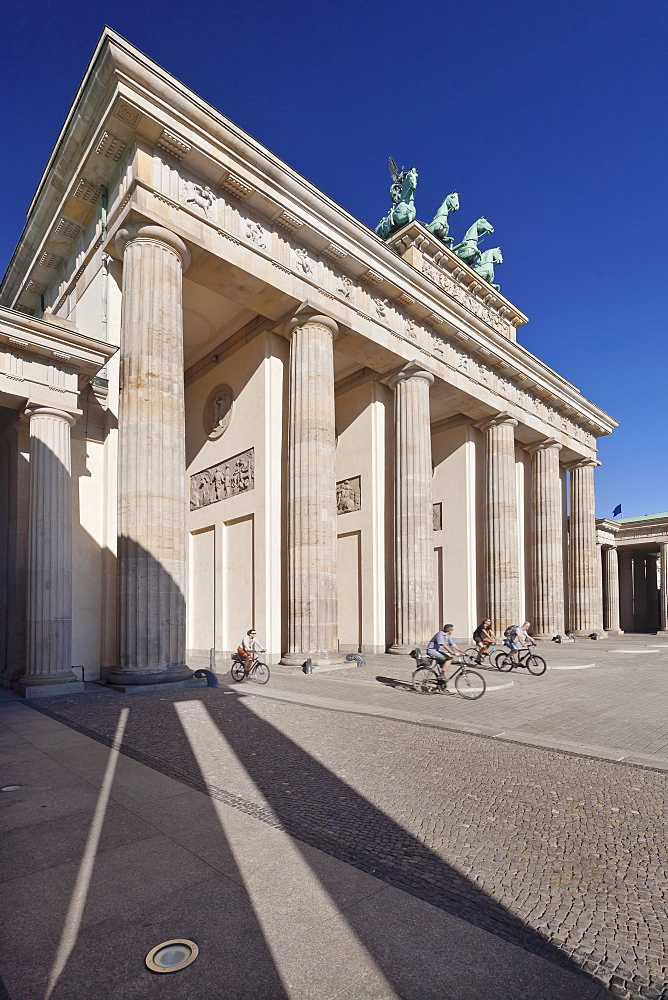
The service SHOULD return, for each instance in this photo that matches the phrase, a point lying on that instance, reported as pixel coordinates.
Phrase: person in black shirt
(483, 637)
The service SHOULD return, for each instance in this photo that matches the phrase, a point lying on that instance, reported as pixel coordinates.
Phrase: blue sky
(549, 119)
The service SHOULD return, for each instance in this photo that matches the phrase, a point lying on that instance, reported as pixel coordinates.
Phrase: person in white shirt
(247, 648)
(519, 639)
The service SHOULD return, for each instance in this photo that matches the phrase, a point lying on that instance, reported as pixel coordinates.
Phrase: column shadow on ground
(324, 812)
(127, 913)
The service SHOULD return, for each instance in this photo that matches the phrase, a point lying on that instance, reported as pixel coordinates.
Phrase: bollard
(211, 679)
(357, 658)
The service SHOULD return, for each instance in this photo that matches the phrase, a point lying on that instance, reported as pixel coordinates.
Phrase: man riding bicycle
(518, 639)
(442, 648)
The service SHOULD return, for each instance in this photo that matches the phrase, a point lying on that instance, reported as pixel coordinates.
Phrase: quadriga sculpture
(485, 266)
(468, 248)
(439, 225)
(402, 193)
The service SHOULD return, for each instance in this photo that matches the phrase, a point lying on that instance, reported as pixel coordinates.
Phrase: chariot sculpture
(402, 193)
(439, 225)
(403, 211)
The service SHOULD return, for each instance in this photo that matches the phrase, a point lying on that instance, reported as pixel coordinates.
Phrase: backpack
(509, 630)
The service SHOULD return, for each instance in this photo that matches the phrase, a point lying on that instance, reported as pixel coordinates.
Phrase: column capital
(496, 420)
(149, 233)
(308, 317)
(583, 463)
(51, 411)
(406, 374)
(545, 445)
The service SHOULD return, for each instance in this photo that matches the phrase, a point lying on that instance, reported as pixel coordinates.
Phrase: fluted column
(663, 593)
(547, 542)
(639, 591)
(652, 591)
(625, 565)
(49, 647)
(413, 512)
(586, 611)
(502, 571)
(611, 591)
(151, 460)
(312, 594)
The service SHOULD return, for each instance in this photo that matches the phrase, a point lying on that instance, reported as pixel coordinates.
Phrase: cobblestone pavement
(560, 854)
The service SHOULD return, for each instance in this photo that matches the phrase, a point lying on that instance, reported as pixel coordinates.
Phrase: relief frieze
(256, 234)
(200, 198)
(222, 481)
(303, 262)
(464, 295)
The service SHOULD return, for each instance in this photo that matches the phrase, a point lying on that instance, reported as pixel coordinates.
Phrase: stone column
(312, 594)
(639, 591)
(502, 571)
(625, 560)
(547, 541)
(413, 513)
(652, 592)
(49, 611)
(611, 591)
(152, 493)
(663, 593)
(585, 614)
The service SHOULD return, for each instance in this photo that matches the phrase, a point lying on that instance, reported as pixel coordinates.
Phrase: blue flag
(617, 510)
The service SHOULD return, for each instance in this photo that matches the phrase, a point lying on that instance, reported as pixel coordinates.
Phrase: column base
(321, 659)
(165, 686)
(547, 636)
(585, 633)
(42, 690)
(45, 680)
(406, 648)
(128, 678)
(614, 631)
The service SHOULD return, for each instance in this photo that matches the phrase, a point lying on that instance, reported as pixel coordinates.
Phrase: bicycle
(488, 656)
(427, 678)
(258, 672)
(535, 664)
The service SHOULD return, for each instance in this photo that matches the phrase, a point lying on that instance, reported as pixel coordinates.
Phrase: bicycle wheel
(471, 653)
(260, 673)
(504, 661)
(425, 680)
(470, 684)
(536, 664)
(238, 672)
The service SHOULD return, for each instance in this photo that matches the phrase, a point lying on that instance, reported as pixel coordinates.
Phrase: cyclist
(442, 648)
(247, 648)
(519, 639)
(483, 637)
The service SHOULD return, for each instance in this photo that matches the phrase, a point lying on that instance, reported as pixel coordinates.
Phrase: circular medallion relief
(218, 411)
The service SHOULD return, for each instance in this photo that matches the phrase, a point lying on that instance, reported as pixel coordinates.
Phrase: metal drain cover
(171, 956)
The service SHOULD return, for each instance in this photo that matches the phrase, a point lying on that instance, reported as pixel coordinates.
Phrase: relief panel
(222, 481)
(348, 495)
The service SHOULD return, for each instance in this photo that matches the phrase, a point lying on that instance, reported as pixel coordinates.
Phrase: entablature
(46, 362)
(166, 156)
